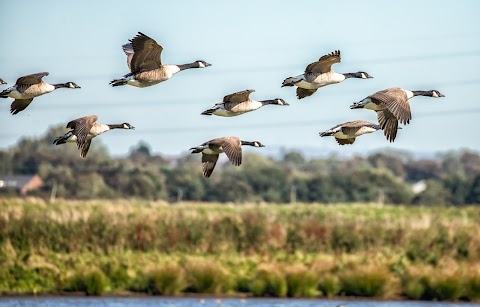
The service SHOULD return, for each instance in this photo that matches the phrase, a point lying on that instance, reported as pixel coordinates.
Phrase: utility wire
(276, 125)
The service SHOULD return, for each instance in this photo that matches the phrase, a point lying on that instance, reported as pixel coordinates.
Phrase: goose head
(327, 133)
(436, 94)
(357, 105)
(363, 75)
(202, 64)
(71, 85)
(254, 143)
(128, 126)
(280, 102)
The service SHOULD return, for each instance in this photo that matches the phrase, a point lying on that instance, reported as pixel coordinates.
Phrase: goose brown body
(392, 107)
(230, 145)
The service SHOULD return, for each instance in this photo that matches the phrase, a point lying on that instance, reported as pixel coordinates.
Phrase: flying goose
(392, 107)
(145, 64)
(347, 132)
(2, 82)
(239, 103)
(230, 145)
(84, 129)
(28, 87)
(319, 74)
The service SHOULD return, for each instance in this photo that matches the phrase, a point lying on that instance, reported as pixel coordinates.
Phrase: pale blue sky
(417, 45)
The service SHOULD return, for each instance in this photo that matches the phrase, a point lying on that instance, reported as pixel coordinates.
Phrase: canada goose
(84, 129)
(230, 145)
(2, 82)
(239, 103)
(28, 87)
(319, 74)
(347, 132)
(392, 107)
(145, 64)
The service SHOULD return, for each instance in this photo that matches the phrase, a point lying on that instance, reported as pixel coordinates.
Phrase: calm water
(207, 302)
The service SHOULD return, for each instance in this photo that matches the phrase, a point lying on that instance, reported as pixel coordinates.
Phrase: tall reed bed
(273, 250)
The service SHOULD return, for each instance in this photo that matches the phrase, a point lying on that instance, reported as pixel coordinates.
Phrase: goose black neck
(115, 126)
(60, 85)
(248, 143)
(352, 75)
(422, 93)
(268, 101)
(188, 66)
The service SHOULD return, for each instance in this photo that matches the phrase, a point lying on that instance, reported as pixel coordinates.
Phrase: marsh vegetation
(430, 253)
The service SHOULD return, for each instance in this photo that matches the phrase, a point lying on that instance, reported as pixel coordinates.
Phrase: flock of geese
(146, 69)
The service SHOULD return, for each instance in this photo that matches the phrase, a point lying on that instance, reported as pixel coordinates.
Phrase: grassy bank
(263, 250)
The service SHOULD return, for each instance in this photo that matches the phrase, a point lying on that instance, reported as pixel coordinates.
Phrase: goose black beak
(326, 133)
(356, 105)
(207, 64)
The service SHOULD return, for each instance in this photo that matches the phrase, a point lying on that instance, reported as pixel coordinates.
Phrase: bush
(472, 287)
(446, 287)
(414, 288)
(329, 285)
(168, 280)
(269, 281)
(365, 282)
(92, 283)
(301, 282)
(207, 277)
(117, 274)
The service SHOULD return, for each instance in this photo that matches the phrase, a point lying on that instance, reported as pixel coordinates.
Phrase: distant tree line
(450, 178)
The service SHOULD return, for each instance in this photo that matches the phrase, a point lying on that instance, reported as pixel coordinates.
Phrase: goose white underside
(225, 113)
(321, 81)
(71, 139)
(341, 135)
(368, 104)
(208, 151)
(17, 95)
(240, 109)
(136, 83)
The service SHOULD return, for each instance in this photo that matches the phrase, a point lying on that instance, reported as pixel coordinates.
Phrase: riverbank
(124, 247)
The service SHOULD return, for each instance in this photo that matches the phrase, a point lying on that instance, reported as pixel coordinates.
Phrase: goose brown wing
(232, 147)
(396, 101)
(345, 141)
(146, 54)
(31, 79)
(128, 49)
(324, 64)
(237, 97)
(208, 164)
(19, 105)
(81, 128)
(84, 148)
(302, 93)
(353, 127)
(350, 130)
(389, 124)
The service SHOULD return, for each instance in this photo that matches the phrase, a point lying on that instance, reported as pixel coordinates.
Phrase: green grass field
(299, 250)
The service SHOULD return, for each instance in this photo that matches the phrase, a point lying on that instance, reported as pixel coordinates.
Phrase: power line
(316, 122)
